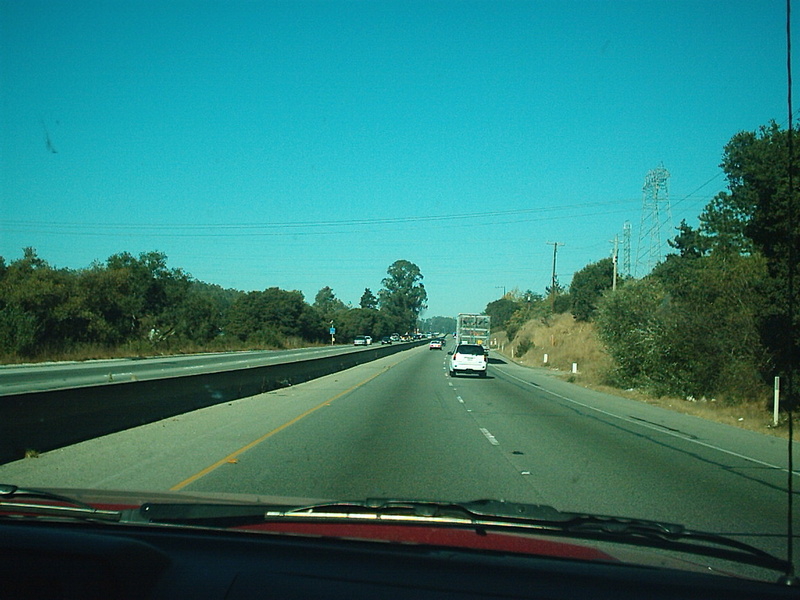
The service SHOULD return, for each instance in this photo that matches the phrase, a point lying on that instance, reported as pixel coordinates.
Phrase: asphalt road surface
(400, 427)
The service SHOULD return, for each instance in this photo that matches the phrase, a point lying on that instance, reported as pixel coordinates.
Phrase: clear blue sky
(304, 144)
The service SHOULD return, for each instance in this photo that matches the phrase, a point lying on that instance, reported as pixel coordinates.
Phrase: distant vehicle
(386, 340)
(361, 340)
(369, 339)
(473, 329)
(468, 358)
(395, 337)
(435, 344)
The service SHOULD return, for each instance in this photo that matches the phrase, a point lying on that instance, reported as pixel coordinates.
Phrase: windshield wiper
(481, 515)
(60, 506)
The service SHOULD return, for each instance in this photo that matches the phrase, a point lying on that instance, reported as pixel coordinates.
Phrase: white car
(360, 340)
(468, 358)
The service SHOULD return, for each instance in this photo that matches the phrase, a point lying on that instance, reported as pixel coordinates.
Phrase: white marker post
(776, 401)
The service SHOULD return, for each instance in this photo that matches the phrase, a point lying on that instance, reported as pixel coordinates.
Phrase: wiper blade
(59, 506)
(10, 492)
(481, 515)
(375, 508)
(488, 514)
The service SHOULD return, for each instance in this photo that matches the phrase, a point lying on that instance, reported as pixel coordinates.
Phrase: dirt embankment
(559, 343)
(572, 349)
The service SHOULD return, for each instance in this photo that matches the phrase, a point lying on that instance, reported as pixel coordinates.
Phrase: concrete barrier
(43, 421)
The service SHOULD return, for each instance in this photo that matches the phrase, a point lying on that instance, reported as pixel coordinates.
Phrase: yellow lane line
(233, 455)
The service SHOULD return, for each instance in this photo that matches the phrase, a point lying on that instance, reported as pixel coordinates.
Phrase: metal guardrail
(47, 420)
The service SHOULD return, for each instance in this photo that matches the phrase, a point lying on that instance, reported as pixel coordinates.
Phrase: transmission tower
(626, 249)
(656, 213)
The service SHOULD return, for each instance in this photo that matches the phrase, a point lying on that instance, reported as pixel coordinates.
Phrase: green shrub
(524, 345)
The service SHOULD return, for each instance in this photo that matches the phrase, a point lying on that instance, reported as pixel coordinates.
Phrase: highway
(400, 427)
(15, 379)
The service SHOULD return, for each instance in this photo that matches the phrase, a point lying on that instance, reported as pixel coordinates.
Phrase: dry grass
(566, 341)
(144, 349)
(559, 343)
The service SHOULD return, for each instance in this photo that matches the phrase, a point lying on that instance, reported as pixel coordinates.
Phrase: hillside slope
(560, 341)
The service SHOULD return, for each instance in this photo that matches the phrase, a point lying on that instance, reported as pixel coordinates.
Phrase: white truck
(473, 329)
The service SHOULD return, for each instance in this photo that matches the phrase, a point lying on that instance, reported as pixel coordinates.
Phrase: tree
(272, 316)
(689, 242)
(403, 296)
(588, 286)
(368, 300)
(689, 328)
(41, 308)
(151, 293)
(362, 321)
(752, 217)
(198, 319)
(327, 303)
(501, 311)
(631, 325)
(438, 324)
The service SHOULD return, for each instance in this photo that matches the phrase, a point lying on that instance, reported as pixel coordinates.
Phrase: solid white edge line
(659, 429)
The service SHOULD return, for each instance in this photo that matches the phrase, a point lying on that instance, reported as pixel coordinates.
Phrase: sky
(306, 144)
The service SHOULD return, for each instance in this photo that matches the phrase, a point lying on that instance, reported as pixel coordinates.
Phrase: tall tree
(588, 286)
(403, 296)
(271, 316)
(501, 311)
(690, 242)
(752, 217)
(327, 303)
(40, 307)
(368, 299)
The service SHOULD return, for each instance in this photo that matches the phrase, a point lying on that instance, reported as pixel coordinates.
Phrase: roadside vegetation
(139, 306)
(709, 326)
(566, 341)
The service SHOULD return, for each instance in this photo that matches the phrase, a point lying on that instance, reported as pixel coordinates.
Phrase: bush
(688, 329)
(524, 345)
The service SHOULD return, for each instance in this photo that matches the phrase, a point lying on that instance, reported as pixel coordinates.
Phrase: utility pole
(553, 282)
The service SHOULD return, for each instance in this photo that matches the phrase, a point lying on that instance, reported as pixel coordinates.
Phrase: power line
(559, 211)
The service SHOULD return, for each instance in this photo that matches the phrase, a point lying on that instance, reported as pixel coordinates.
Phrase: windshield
(204, 205)
(469, 349)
